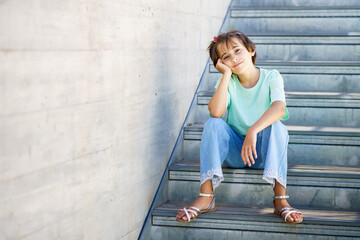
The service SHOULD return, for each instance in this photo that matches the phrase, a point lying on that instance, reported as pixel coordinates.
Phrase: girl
(252, 135)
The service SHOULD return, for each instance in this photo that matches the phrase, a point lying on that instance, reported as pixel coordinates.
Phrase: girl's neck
(249, 78)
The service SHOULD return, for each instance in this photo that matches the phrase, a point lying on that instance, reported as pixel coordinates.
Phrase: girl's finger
(251, 155)
(243, 156)
(254, 152)
(247, 157)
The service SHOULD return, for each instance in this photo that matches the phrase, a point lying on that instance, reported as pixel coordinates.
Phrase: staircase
(315, 45)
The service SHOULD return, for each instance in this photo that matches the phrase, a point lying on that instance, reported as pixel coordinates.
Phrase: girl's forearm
(217, 104)
(273, 114)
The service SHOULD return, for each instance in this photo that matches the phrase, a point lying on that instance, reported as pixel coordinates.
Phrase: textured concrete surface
(181, 233)
(93, 94)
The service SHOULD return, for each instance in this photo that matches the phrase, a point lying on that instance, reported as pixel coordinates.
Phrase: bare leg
(200, 202)
(279, 190)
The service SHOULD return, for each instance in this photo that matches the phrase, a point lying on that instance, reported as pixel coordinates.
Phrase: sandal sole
(211, 210)
(284, 219)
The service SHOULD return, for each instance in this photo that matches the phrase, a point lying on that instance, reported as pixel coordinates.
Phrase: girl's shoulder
(270, 75)
(270, 72)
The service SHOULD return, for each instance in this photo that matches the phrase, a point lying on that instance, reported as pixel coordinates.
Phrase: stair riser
(294, 25)
(303, 154)
(166, 228)
(261, 195)
(294, 3)
(307, 82)
(308, 52)
(308, 116)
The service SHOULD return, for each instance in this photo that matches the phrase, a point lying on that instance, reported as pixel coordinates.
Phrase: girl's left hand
(248, 148)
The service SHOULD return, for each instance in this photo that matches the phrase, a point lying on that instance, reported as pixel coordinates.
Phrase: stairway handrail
(179, 138)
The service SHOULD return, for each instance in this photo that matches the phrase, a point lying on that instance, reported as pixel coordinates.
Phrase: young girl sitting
(252, 135)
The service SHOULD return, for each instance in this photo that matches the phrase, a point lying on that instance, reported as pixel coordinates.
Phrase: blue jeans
(221, 144)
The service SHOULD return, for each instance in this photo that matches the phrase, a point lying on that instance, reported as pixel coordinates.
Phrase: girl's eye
(225, 58)
(237, 50)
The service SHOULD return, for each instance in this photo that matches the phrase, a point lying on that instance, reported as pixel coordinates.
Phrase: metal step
(305, 99)
(305, 175)
(309, 67)
(317, 135)
(307, 108)
(252, 222)
(296, 12)
(320, 47)
(307, 76)
(307, 145)
(307, 185)
(350, 38)
(294, 3)
(294, 20)
(331, 155)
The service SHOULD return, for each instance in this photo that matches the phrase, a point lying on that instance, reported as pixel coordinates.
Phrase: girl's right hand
(221, 67)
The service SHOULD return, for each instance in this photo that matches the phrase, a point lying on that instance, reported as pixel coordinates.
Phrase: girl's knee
(214, 122)
(277, 127)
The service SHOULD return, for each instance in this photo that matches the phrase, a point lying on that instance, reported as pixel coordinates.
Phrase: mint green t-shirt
(246, 105)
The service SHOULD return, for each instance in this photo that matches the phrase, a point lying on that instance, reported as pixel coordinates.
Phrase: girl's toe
(290, 218)
(297, 217)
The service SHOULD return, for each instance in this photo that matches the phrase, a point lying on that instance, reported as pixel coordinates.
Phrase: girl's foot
(201, 203)
(293, 217)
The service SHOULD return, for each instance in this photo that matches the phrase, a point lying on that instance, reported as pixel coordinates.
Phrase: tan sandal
(286, 211)
(195, 211)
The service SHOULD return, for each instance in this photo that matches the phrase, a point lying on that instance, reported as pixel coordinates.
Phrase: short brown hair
(227, 37)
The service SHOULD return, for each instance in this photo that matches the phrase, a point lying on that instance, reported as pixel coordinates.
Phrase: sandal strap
(187, 214)
(211, 204)
(294, 210)
(284, 209)
(195, 208)
(281, 197)
(287, 214)
(206, 194)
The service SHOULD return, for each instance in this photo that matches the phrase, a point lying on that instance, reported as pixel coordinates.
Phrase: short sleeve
(227, 96)
(277, 92)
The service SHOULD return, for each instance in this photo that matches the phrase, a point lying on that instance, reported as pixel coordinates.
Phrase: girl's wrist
(227, 73)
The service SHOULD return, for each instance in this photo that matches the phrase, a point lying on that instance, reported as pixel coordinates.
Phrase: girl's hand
(249, 148)
(221, 67)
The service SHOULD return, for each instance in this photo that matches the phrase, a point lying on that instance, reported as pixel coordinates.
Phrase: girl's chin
(237, 71)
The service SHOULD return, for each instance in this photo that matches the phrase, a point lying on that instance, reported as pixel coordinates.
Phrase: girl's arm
(273, 114)
(217, 104)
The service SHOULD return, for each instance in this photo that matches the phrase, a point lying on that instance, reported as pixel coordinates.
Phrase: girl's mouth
(237, 64)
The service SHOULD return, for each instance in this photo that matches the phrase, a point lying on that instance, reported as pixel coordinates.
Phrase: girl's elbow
(216, 114)
(280, 106)
(283, 112)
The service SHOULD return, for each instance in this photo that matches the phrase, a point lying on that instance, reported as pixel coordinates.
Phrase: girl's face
(235, 55)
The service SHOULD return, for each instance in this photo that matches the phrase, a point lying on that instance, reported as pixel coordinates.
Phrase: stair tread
(323, 8)
(341, 68)
(297, 129)
(293, 170)
(255, 213)
(296, 94)
(303, 34)
(307, 63)
(311, 63)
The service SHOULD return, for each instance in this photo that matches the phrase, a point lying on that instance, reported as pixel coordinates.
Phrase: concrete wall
(93, 94)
